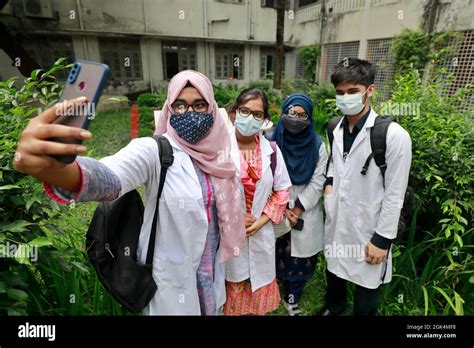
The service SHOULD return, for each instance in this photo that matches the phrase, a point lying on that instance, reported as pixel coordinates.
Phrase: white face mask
(247, 126)
(350, 104)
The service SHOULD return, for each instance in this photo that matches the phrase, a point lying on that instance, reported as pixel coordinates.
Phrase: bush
(415, 49)
(323, 97)
(60, 281)
(433, 266)
(24, 210)
(155, 100)
(264, 85)
(310, 55)
(225, 96)
(148, 102)
(146, 121)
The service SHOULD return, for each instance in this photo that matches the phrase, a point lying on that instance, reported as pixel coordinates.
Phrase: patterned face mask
(192, 126)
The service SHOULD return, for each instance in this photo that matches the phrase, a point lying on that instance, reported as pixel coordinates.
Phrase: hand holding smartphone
(86, 79)
(299, 225)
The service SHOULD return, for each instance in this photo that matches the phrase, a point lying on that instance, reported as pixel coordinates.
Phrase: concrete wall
(207, 22)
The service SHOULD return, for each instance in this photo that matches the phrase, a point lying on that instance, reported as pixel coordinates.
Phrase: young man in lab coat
(362, 211)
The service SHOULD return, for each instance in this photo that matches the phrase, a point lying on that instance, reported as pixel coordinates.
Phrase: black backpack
(378, 145)
(112, 242)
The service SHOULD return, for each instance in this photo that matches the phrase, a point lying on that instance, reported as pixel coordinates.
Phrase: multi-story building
(145, 42)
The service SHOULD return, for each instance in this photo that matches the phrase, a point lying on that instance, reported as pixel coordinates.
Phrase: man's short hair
(353, 70)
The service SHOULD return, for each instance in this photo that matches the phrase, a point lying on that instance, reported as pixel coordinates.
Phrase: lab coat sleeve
(135, 164)
(282, 179)
(314, 189)
(398, 159)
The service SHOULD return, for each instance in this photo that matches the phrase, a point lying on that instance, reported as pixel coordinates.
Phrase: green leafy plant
(24, 210)
(309, 55)
(433, 265)
(225, 96)
(148, 102)
(58, 279)
(155, 100)
(413, 48)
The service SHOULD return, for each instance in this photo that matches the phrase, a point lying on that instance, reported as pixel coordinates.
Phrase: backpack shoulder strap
(165, 152)
(273, 157)
(378, 144)
(166, 158)
(330, 126)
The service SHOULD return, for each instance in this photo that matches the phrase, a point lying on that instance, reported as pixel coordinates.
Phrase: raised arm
(86, 179)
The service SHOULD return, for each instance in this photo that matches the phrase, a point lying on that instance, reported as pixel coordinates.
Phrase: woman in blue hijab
(305, 158)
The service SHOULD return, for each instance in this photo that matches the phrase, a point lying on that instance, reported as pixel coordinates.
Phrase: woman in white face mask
(251, 286)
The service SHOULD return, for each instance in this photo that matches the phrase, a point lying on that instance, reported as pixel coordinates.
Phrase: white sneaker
(293, 309)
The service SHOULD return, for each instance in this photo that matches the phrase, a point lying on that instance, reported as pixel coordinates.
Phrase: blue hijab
(300, 151)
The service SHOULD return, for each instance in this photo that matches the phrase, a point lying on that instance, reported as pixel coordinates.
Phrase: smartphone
(299, 225)
(86, 79)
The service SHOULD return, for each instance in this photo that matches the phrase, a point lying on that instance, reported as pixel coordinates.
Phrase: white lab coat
(309, 241)
(182, 225)
(359, 205)
(256, 259)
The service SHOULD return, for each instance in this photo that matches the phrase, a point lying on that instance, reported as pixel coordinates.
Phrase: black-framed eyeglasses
(301, 115)
(245, 111)
(180, 107)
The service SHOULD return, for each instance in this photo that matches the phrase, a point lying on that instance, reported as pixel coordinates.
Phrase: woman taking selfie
(251, 285)
(200, 222)
(305, 158)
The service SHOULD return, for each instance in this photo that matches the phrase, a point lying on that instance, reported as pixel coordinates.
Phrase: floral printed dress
(240, 298)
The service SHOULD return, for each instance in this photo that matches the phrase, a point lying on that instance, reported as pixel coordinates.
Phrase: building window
(123, 57)
(239, 2)
(378, 53)
(334, 53)
(46, 51)
(461, 66)
(268, 3)
(229, 61)
(299, 66)
(301, 3)
(267, 61)
(178, 56)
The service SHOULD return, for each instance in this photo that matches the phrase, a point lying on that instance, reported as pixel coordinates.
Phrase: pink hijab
(212, 155)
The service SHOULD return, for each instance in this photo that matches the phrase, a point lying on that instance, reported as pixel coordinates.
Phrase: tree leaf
(16, 226)
(9, 187)
(41, 241)
(17, 294)
(29, 203)
(22, 254)
(458, 239)
(12, 312)
(11, 82)
(34, 73)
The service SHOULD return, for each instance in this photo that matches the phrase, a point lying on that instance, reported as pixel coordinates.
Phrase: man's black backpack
(112, 242)
(378, 145)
